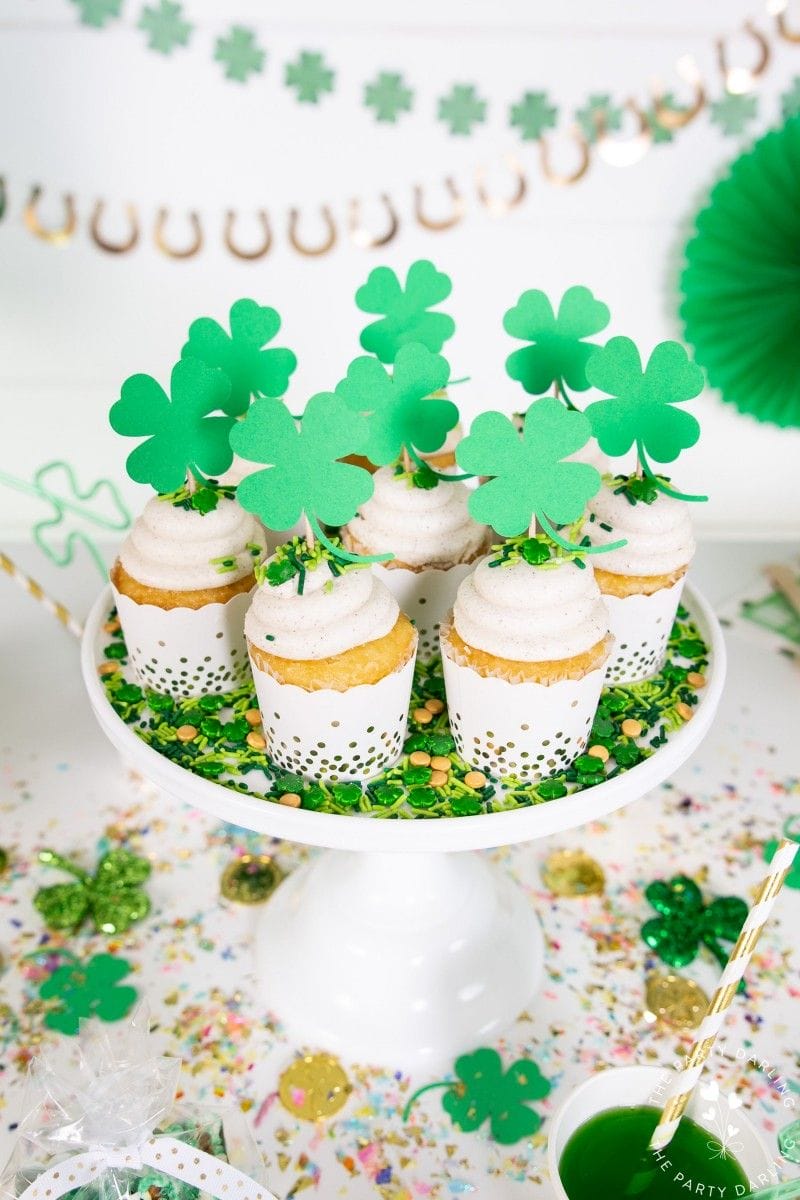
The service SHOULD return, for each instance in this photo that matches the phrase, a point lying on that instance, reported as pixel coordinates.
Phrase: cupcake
(333, 661)
(642, 581)
(434, 540)
(524, 657)
(181, 585)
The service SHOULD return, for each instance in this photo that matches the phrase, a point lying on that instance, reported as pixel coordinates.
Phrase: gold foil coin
(573, 873)
(314, 1087)
(250, 879)
(676, 1002)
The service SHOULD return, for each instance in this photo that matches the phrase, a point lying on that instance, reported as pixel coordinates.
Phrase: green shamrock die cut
(559, 352)
(90, 989)
(406, 315)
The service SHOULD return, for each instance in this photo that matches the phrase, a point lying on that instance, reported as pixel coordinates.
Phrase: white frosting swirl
(659, 535)
(530, 614)
(420, 526)
(334, 614)
(172, 548)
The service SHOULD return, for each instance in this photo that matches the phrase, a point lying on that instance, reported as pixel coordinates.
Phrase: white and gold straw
(684, 1083)
(61, 614)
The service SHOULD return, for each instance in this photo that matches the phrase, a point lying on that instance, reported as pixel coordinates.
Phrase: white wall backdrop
(95, 113)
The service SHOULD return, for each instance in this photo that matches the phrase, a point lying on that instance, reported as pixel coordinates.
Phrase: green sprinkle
(465, 806)
(422, 797)
(211, 727)
(212, 704)
(387, 795)
(129, 693)
(314, 798)
(587, 764)
(346, 795)
(415, 775)
(116, 650)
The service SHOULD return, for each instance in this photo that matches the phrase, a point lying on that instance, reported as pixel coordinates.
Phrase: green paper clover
(399, 409)
(529, 477)
(304, 474)
(252, 370)
(181, 434)
(88, 990)
(685, 923)
(559, 351)
(641, 405)
(406, 316)
(112, 897)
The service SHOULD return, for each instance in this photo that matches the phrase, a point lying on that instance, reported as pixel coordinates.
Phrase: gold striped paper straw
(683, 1085)
(61, 614)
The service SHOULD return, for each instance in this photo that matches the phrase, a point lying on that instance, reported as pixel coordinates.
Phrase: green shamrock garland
(485, 1092)
(558, 352)
(112, 898)
(406, 315)
(251, 369)
(87, 989)
(685, 923)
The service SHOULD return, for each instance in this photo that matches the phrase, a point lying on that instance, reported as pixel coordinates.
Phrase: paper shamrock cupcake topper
(251, 369)
(405, 311)
(640, 409)
(558, 352)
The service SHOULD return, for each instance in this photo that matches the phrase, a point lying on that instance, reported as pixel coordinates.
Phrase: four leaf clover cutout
(558, 350)
(406, 311)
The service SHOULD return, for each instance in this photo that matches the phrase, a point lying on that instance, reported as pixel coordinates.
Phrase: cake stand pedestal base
(398, 959)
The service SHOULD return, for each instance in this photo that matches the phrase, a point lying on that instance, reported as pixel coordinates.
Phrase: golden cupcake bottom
(356, 547)
(438, 461)
(516, 671)
(168, 598)
(611, 584)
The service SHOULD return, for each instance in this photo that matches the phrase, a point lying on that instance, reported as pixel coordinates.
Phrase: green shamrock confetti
(310, 77)
(485, 1092)
(599, 112)
(685, 923)
(532, 115)
(733, 113)
(529, 477)
(401, 414)
(89, 989)
(112, 898)
(461, 109)
(252, 370)
(406, 311)
(98, 12)
(790, 100)
(239, 54)
(388, 96)
(558, 352)
(165, 26)
(791, 829)
(182, 436)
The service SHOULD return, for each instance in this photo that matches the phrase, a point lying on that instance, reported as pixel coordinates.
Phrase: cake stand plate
(391, 947)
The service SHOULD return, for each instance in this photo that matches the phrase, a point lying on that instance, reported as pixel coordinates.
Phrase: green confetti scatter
(165, 26)
(310, 77)
(462, 108)
(239, 54)
(388, 96)
(532, 115)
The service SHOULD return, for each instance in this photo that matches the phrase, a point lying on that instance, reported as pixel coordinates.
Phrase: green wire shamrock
(559, 352)
(182, 436)
(87, 989)
(252, 371)
(485, 1091)
(640, 408)
(401, 414)
(112, 897)
(406, 311)
(685, 922)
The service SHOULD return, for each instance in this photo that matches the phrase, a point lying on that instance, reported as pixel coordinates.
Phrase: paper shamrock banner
(113, 897)
(558, 352)
(483, 1091)
(398, 409)
(406, 315)
(251, 369)
(182, 437)
(685, 923)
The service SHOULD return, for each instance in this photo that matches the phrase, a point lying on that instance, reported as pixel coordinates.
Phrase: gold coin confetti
(675, 1002)
(573, 873)
(250, 879)
(314, 1087)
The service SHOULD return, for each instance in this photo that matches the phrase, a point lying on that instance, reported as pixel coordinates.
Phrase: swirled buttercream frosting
(659, 535)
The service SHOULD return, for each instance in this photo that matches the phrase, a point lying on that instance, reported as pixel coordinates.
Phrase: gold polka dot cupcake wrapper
(640, 626)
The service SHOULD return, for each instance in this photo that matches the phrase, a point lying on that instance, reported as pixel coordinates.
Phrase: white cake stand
(391, 947)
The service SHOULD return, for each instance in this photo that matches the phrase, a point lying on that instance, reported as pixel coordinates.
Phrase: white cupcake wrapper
(641, 626)
(335, 736)
(426, 597)
(186, 652)
(528, 730)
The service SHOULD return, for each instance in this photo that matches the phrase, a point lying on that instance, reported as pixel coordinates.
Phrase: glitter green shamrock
(484, 1092)
(462, 108)
(388, 96)
(239, 54)
(406, 311)
(401, 414)
(182, 437)
(98, 12)
(88, 989)
(790, 100)
(598, 113)
(532, 115)
(310, 76)
(252, 370)
(165, 26)
(685, 923)
(733, 113)
(112, 898)
(558, 352)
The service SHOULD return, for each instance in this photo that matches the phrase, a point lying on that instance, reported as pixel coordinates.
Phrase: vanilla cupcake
(641, 582)
(181, 585)
(434, 540)
(439, 459)
(524, 659)
(333, 666)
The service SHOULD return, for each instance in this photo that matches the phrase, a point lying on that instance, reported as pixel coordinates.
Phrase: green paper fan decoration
(558, 352)
(741, 284)
(405, 311)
